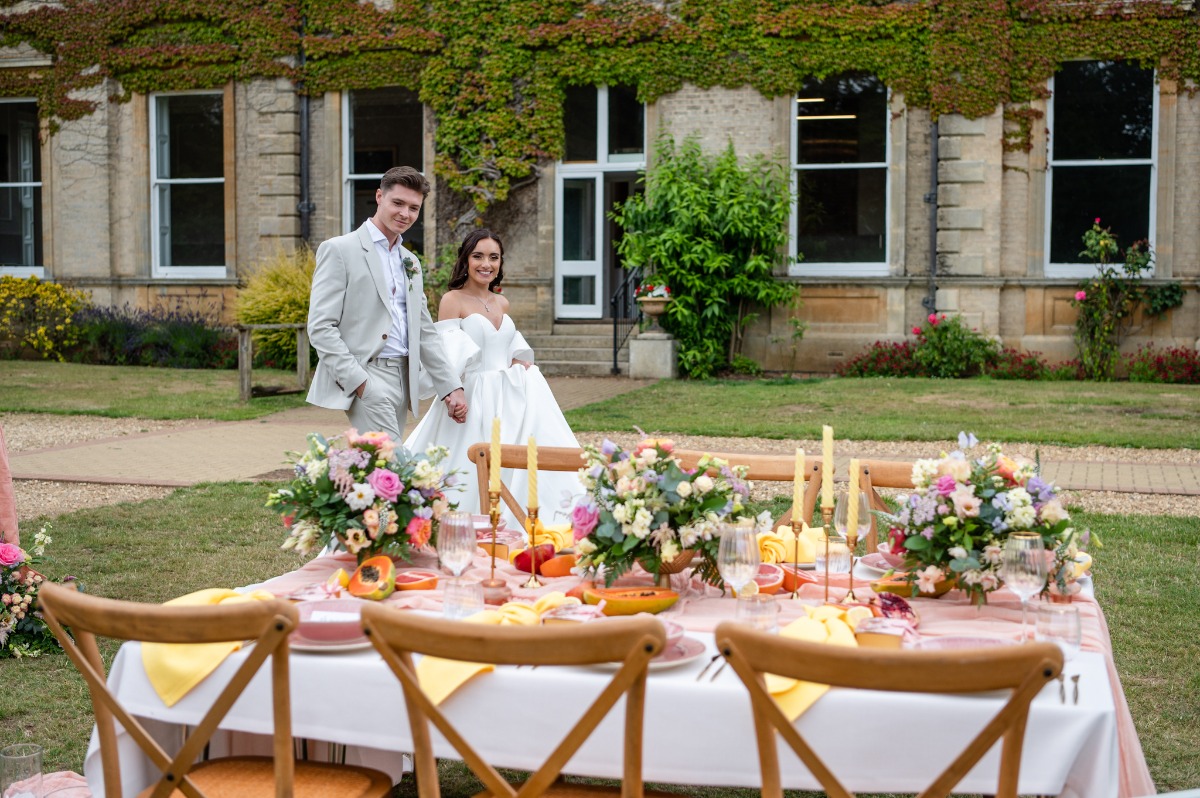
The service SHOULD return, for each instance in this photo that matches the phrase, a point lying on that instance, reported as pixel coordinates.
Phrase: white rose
(704, 483)
(584, 547)
(684, 490)
(958, 553)
(1053, 512)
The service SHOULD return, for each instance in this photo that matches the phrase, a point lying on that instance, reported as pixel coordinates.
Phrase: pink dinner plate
(683, 652)
(962, 641)
(882, 562)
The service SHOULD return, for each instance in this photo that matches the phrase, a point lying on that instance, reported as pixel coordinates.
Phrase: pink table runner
(701, 608)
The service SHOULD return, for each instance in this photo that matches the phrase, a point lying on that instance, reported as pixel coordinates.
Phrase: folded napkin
(175, 668)
(782, 545)
(823, 625)
(439, 678)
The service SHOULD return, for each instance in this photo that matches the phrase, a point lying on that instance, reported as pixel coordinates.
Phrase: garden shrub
(277, 293)
(37, 317)
(1177, 364)
(166, 338)
(1013, 364)
(948, 348)
(882, 359)
(740, 364)
(712, 229)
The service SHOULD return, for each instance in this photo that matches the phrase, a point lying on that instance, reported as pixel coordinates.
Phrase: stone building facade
(104, 204)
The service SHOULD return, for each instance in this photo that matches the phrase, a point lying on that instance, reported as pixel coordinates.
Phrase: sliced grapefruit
(769, 578)
(416, 579)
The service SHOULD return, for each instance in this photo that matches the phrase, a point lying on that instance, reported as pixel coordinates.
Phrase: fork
(703, 671)
(718, 671)
(1075, 691)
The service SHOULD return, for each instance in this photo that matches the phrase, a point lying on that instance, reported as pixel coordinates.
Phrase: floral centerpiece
(652, 290)
(23, 632)
(954, 524)
(644, 506)
(364, 490)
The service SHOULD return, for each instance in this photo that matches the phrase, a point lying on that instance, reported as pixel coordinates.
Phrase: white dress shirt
(397, 282)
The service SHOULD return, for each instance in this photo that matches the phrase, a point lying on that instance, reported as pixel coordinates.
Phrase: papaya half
(375, 579)
(630, 600)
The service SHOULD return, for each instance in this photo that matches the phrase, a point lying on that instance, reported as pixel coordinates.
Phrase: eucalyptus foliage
(714, 230)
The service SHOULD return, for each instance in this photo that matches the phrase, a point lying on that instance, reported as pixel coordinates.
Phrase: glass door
(579, 292)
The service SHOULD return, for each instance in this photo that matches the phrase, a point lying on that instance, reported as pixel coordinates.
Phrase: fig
(533, 557)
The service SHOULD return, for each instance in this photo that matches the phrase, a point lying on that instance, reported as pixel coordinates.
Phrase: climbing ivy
(493, 72)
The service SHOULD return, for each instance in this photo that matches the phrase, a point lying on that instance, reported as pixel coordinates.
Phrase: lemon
(338, 578)
(855, 615)
(749, 590)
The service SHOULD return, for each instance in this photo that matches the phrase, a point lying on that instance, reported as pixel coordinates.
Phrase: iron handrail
(626, 313)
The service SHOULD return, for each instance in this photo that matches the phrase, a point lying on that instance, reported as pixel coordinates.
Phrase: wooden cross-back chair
(267, 624)
(872, 474)
(762, 467)
(1024, 669)
(632, 642)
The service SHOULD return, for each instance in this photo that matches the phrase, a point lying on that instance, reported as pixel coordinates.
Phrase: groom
(369, 321)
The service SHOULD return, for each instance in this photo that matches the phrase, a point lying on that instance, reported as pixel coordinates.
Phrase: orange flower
(419, 530)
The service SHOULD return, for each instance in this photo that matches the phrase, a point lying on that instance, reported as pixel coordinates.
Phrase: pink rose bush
(365, 491)
(11, 555)
(23, 632)
(963, 507)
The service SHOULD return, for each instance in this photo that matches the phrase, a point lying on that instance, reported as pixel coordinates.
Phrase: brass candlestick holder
(531, 517)
(827, 522)
(851, 543)
(495, 591)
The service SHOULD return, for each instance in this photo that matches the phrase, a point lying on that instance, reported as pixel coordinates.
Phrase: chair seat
(245, 776)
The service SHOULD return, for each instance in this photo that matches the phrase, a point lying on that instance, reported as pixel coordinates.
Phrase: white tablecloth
(696, 732)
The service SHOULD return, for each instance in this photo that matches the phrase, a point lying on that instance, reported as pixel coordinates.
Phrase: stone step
(583, 328)
(577, 368)
(587, 353)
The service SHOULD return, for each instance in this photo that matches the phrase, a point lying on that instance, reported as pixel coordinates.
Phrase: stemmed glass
(1024, 569)
(841, 514)
(456, 541)
(737, 556)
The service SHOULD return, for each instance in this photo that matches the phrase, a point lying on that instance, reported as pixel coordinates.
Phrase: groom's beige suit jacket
(348, 322)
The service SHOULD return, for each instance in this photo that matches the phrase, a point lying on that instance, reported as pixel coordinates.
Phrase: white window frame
(807, 268)
(28, 185)
(157, 267)
(606, 163)
(1085, 270)
(349, 223)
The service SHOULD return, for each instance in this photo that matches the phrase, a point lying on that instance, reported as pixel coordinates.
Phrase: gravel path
(31, 431)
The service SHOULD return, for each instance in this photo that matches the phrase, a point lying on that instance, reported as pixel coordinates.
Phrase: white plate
(683, 652)
(312, 647)
(875, 563)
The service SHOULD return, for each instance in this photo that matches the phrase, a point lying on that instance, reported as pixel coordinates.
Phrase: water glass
(461, 598)
(737, 556)
(759, 611)
(21, 771)
(839, 555)
(1023, 569)
(456, 541)
(1059, 624)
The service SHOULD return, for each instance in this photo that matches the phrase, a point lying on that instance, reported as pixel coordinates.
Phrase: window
(1101, 160)
(841, 169)
(605, 131)
(383, 128)
(187, 191)
(20, 189)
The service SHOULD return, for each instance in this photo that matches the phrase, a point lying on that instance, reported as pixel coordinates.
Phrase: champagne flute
(1024, 569)
(841, 515)
(456, 541)
(737, 556)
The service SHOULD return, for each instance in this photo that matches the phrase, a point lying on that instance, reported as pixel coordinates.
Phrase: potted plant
(653, 298)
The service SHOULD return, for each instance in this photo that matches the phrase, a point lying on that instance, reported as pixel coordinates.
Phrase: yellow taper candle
(798, 489)
(494, 464)
(532, 466)
(827, 466)
(852, 508)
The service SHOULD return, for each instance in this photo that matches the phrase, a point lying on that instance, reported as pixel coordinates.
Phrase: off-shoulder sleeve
(460, 351)
(520, 349)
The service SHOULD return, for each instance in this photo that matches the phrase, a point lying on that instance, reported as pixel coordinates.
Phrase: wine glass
(1024, 569)
(1059, 624)
(841, 514)
(456, 541)
(737, 557)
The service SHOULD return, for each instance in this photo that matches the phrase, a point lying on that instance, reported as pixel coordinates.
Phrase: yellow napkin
(558, 535)
(823, 625)
(771, 547)
(175, 668)
(439, 678)
(806, 543)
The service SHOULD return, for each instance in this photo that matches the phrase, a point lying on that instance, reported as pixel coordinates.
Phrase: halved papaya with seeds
(375, 579)
(631, 600)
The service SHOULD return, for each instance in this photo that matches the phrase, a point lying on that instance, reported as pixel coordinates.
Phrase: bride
(501, 381)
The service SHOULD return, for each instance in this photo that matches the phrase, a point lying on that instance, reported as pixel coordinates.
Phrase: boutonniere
(410, 266)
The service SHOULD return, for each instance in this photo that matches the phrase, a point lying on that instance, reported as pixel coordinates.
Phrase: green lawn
(221, 535)
(1069, 413)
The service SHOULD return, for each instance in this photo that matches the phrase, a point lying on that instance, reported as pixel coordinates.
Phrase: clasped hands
(456, 405)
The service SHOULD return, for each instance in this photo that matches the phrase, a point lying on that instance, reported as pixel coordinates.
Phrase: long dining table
(698, 729)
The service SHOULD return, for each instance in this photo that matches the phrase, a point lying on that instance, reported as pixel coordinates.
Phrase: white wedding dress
(519, 397)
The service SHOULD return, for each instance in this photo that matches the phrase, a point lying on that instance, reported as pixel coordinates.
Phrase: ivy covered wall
(493, 71)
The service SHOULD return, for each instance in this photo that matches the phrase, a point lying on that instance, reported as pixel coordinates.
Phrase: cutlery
(703, 671)
(1062, 688)
(718, 671)
(1075, 692)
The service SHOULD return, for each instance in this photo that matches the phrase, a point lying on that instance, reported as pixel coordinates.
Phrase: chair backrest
(1024, 669)
(632, 642)
(872, 474)
(267, 623)
(762, 467)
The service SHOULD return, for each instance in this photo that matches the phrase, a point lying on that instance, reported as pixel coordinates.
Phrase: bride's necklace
(487, 308)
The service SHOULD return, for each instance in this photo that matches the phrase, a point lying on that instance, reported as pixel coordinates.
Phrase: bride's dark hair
(458, 277)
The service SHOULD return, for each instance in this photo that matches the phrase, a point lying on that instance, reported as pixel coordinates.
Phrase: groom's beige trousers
(384, 403)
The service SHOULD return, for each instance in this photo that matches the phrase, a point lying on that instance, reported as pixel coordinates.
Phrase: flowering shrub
(653, 290)
(947, 347)
(37, 317)
(955, 522)
(372, 495)
(882, 359)
(1107, 302)
(23, 633)
(277, 293)
(1013, 364)
(645, 506)
(1176, 364)
(128, 336)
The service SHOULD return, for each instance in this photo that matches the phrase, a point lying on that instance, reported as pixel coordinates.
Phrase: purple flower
(415, 498)
(1039, 489)
(608, 448)
(927, 533)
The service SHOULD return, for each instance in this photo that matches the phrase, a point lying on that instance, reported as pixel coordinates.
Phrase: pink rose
(583, 520)
(946, 485)
(1080, 296)
(916, 330)
(11, 555)
(419, 529)
(933, 319)
(1097, 220)
(386, 484)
